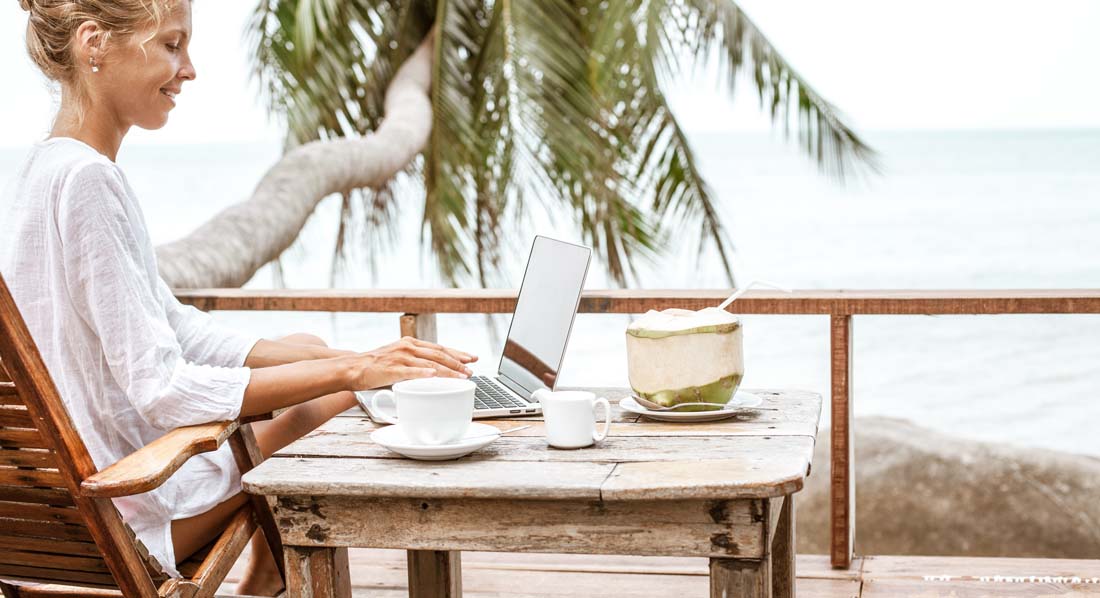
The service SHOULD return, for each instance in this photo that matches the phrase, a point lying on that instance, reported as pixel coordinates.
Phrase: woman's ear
(89, 46)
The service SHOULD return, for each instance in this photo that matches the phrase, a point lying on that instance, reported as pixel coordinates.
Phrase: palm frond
(559, 102)
(705, 28)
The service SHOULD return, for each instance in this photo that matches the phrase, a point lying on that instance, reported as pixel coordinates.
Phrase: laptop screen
(548, 300)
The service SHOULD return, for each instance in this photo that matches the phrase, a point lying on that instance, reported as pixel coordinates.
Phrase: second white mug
(571, 417)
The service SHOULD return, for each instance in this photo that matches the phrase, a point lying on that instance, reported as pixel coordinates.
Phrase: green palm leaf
(557, 103)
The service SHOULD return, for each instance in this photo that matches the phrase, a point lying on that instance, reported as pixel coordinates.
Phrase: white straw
(752, 283)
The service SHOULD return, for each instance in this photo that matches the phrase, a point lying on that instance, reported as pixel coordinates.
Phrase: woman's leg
(188, 535)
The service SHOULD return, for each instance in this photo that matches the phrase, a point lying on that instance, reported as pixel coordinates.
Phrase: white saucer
(393, 438)
(741, 400)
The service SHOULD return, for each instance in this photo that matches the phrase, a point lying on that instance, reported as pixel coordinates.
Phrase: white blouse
(129, 360)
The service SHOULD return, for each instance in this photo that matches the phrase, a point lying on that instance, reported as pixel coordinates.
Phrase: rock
(922, 492)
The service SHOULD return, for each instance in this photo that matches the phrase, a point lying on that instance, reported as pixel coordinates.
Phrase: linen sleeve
(202, 339)
(108, 270)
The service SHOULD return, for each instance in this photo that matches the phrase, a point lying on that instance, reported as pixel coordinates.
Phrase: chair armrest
(149, 467)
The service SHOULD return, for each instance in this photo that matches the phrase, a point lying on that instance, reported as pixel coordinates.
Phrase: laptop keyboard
(490, 395)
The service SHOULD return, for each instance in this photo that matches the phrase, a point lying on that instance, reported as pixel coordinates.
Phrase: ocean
(949, 210)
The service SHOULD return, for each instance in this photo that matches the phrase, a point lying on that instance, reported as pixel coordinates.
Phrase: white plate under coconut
(741, 400)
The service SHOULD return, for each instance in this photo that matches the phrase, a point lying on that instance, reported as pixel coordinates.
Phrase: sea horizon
(956, 209)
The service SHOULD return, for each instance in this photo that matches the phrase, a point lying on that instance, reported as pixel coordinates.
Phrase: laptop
(539, 332)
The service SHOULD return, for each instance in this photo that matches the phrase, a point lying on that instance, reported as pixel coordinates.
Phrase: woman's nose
(187, 71)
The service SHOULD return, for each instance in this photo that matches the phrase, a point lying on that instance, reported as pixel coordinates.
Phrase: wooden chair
(60, 534)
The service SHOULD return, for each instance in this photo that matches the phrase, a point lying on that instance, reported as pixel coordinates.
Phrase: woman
(128, 359)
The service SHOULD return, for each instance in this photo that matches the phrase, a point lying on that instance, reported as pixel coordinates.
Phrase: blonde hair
(53, 23)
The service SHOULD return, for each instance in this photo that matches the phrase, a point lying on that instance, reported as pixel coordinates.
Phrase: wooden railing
(420, 306)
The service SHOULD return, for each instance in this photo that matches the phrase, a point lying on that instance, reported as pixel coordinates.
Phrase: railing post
(842, 487)
(421, 326)
(431, 573)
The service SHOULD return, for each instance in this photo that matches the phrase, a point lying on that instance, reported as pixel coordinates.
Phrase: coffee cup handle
(376, 408)
(602, 402)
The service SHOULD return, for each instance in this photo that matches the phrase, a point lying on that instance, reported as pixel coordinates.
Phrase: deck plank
(381, 574)
(916, 567)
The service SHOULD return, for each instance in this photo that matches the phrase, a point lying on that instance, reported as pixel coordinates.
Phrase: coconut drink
(681, 356)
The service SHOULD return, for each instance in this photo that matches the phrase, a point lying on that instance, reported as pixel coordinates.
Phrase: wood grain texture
(686, 528)
(759, 474)
(730, 578)
(782, 413)
(908, 588)
(422, 326)
(41, 478)
(27, 458)
(247, 455)
(40, 513)
(39, 590)
(634, 301)
(16, 417)
(500, 575)
(152, 465)
(435, 574)
(42, 496)
(224, 553)
(842, 495)
(364, 560)
(403, 477)
(317, 572)
(87, 549)
(40, 574)
(783, 551)
(52, 560)
(917, 567)
(37, 529)
(349, 437)
(11, 438)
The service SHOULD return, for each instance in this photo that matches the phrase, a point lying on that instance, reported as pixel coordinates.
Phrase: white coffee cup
(430, 411)
(571, 417)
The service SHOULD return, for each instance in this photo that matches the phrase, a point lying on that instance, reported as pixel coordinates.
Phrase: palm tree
(557, 101)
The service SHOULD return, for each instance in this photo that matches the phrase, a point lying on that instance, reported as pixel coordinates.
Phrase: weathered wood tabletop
(719, 489)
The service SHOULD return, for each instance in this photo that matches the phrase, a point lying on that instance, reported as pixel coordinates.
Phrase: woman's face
(140, 77)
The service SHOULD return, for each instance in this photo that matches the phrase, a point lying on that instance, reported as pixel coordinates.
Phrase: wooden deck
(381, 574)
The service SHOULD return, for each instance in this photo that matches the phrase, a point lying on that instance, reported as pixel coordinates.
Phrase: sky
(938, 64)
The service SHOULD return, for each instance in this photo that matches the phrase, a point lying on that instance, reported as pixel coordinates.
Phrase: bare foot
(261, 576)
(259, 584)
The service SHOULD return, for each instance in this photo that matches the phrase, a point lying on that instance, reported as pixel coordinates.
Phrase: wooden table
(722, 490)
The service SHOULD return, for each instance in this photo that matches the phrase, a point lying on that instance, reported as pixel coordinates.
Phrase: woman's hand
(405, 359)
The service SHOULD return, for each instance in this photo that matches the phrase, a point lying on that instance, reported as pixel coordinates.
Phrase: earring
(95, 67)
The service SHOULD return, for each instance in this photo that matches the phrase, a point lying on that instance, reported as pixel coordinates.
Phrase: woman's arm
(284, 385)
(268, 353)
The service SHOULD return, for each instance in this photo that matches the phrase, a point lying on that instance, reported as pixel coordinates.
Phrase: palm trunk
(227, 250)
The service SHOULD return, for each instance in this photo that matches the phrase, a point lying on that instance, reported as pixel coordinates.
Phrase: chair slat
(52, 590)
(59, 575)
(7, 389)
(41, 478)
(16, 417)
(53, 561)
(27, 458)
(68, 547)
(39, 513)
(22, 439)
(38, 496)
(41, 529)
